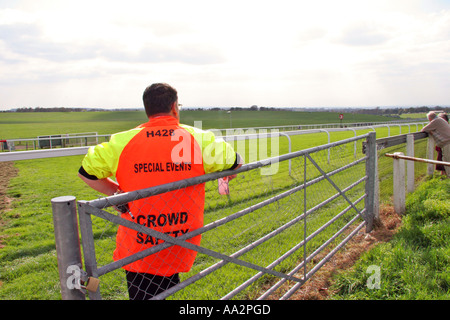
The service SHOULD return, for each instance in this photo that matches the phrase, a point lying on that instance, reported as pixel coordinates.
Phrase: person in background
(440, 167)
(157, 152)
(439, 129)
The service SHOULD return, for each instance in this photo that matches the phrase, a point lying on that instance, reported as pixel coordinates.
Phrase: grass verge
(415, 264)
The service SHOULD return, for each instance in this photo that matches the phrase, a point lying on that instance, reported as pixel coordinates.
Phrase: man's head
(160, 98)
(431, 115)
(444, 116)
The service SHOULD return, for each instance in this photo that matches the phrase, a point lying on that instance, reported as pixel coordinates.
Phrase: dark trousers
(144, 286)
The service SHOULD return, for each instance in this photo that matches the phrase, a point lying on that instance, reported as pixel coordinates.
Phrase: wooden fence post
(399, 184)
(410, 164)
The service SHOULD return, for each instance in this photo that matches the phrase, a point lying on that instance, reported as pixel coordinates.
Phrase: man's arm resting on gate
(238, 162)
(106, 186)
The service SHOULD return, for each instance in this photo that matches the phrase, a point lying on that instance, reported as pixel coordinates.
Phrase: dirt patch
(7, 171)
(317, 288)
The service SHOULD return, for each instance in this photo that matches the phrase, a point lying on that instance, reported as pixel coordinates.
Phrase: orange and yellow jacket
(155, 153)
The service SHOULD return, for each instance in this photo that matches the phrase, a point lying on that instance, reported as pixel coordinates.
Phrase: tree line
(374, 111)
(54, 109)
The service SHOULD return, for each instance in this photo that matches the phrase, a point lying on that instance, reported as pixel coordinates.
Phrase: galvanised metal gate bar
(87, 209)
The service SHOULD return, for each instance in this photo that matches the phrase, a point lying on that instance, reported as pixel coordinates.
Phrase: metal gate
(264, 236)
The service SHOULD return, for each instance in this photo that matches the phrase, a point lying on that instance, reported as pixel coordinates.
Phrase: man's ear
(175, 110)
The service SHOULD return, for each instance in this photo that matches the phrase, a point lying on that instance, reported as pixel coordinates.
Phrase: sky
(285, 53)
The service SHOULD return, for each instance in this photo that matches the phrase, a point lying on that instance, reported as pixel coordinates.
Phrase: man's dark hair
(158, 98)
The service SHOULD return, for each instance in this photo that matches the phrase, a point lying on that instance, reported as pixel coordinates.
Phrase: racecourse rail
(80, 143)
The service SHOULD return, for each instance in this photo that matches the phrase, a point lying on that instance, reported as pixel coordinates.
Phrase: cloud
(290, 52)
(189, 53)
(311, 34)
(27, 40)
(363, 34)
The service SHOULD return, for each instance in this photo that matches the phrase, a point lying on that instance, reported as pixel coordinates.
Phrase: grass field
(31, 125)
(28, 268)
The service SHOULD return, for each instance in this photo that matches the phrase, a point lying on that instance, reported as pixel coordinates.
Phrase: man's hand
(122, 208)
(108, 187)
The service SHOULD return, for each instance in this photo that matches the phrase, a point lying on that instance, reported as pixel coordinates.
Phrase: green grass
(28, 266)
(415, 265)
(31, 125)
(421, 116)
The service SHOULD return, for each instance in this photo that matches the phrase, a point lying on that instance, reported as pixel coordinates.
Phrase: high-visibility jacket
(154, 153)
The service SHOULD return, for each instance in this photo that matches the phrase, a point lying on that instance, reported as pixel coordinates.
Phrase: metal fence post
(371, 173)
(68, 250)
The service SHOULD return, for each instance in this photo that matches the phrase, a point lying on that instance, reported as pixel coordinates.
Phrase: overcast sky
(284, 53)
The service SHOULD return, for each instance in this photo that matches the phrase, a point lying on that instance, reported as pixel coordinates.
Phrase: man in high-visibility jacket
(154, 153)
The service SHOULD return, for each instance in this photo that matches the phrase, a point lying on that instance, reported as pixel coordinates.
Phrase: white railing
(85, 141)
